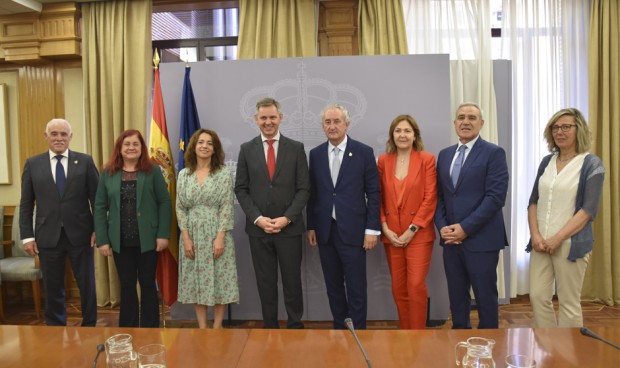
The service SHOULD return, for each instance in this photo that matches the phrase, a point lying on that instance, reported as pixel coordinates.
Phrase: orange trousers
(409, 267)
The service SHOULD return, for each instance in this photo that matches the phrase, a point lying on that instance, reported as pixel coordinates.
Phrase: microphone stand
(349, 323)
(587, 332)
(100, 349)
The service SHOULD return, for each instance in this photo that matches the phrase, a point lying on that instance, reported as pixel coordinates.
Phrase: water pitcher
(477, 352)
(120, 353)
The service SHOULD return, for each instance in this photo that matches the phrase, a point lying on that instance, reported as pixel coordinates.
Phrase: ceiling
(8, 7)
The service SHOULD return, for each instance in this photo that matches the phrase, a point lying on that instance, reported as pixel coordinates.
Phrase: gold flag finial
(156, 59)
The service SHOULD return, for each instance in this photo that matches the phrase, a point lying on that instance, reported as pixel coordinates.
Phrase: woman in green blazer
(132, 223)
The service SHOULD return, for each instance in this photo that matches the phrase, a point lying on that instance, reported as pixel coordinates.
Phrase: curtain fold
(117, 71)
(602, 282)
(547, 44)
(382, 28)
(461, 28)
(276, 29)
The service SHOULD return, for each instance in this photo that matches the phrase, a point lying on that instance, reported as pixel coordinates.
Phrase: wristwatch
(413, 228)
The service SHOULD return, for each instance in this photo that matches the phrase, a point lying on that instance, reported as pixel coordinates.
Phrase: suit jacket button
(138, 214)
(334, 194)
(387, 213)
(413, 212)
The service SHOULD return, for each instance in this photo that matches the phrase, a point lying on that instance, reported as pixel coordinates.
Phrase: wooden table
(37, 346)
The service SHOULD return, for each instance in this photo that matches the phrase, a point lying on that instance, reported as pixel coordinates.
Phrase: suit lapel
(323, 162)
(280, 155)
(348, 155)
(72, 164)
(140, 186)
(390, 170)
(115, 183)
(47, 169)
(471, 158)
(415, 165)
(259, 150)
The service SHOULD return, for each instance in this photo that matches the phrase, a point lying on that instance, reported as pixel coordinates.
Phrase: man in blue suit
(472, 181)
(343, 215)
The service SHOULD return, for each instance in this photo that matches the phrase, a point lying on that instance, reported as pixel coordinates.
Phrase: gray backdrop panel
(375, 89)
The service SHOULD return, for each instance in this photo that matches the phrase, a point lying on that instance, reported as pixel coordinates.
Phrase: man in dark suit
(272, 187)
(63, 185)
(343, 215)
(472, 182)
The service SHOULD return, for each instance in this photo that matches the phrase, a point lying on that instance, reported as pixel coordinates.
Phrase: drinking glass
(520, 361)
(119, 352)
(152, 356)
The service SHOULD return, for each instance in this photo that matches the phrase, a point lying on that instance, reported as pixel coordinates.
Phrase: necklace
(566, 159)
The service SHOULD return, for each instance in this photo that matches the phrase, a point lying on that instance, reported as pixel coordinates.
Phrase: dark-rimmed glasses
(564, 127)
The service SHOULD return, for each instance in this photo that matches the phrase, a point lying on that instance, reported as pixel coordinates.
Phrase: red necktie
(271, 158)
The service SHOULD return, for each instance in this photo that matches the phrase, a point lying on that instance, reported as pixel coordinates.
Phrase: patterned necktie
(271, 158)
(335, 165)
(458, 164)
(60, 175)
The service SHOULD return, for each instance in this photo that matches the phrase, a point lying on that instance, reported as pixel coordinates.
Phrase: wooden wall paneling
(37, 106)
(338, 28)
(35, 38)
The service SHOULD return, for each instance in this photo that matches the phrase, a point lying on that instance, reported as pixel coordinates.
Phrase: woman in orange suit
(408, 201)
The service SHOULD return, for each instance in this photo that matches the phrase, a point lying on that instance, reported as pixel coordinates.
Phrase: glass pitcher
(479, 353)
(120, 353)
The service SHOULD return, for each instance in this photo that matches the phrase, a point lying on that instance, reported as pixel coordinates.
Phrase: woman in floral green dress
(208, 272)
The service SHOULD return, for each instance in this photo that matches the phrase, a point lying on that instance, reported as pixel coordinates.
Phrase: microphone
(587, 332)
(100, 349)
(349, 323)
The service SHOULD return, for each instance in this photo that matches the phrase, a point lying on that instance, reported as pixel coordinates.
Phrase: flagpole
(156, 60)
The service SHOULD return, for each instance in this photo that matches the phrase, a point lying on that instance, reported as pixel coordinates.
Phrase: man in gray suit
(272, 187)
(63, 185)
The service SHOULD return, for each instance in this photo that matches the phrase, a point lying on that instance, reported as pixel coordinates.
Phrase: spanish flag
(159, 149)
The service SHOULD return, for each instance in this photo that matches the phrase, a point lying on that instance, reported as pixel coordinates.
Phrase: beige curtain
(602, 282)
(382, 28)
(276, 29)
(117, 72)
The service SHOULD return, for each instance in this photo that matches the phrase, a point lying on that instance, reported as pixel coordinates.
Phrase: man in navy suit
(472, 182)
(343, 215)
(272, 187)
(63, 184)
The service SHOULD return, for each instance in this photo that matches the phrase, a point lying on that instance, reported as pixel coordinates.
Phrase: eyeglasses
(565, 128)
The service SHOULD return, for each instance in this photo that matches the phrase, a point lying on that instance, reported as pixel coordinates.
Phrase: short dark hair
(268, 101)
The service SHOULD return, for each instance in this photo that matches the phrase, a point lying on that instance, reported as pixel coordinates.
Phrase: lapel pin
(350, 154)
(75, 162)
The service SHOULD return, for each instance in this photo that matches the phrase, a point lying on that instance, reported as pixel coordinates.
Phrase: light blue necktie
(335, 170)
(335, 165)
(458, 164)
(60, 175)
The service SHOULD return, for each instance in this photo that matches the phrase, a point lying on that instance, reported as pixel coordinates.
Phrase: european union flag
(189, 117)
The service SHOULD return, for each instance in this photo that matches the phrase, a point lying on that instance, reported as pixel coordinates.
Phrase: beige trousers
(568, 276)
